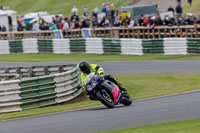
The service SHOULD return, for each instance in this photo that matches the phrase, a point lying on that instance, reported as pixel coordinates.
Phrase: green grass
(19, 57)
(195, 8)
(57, 6)
(139, 86)
(188, 126)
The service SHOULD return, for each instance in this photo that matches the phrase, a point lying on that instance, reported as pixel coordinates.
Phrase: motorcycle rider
(87, 68)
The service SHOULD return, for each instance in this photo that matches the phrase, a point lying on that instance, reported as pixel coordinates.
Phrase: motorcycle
(108, 93)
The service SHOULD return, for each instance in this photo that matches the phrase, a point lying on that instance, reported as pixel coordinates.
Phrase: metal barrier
(39, 91)
(23, 72)
(189, 31)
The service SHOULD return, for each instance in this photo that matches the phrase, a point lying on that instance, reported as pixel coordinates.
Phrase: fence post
(115, 33)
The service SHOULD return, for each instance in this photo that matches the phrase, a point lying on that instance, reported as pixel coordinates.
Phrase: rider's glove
(102, 75)
(79, 86)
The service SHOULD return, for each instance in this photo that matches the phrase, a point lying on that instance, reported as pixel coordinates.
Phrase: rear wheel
(105, 98)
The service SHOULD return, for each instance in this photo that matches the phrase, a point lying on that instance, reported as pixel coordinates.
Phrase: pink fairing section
(115, 93)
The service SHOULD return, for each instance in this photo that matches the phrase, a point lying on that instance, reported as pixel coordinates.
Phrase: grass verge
(188, 126)
(192, 9)
(19, 57)
(58, 6)
(139, 86)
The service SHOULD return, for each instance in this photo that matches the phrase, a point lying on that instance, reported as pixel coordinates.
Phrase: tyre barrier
(40, 91)
(167, 46)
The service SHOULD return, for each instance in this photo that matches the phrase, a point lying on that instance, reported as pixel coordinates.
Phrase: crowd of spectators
(111, 19)
(3, 28)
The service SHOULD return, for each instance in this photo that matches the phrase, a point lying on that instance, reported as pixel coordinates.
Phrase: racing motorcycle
(108, 93)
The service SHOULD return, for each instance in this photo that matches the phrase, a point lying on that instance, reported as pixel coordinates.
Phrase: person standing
(36, 26)
(66, 25)
(190, 2)
(171, 9)
(74, 16)
(74, 10)
(179, 11)
(86, 11)
(178, 2)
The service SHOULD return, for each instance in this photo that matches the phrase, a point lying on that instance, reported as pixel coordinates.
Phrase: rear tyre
(105, 98)
(127, 101)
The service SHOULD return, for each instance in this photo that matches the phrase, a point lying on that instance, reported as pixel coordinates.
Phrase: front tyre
(127, 101)
(105, 98)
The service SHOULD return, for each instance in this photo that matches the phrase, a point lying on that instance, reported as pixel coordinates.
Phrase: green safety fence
(153, 46)
(45, 45)
(111, 45)
(15, 46)
(77, 45)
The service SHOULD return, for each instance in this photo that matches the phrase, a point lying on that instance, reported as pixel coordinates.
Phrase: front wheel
(127, 101)
(105, 98)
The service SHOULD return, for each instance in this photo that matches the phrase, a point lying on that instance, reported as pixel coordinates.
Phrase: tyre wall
(167, 46)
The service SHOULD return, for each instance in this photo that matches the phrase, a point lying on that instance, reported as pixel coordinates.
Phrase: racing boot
(123, 89)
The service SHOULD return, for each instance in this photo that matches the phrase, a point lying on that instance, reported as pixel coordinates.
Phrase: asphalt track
(144, 112)
(126, 67)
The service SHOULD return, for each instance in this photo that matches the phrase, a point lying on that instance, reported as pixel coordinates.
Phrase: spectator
(152, 22)
(44, 26)
(66, 25)
(181, 21)
(61, 24)
(113, 15)
(159, 22)
(107, 23)
(117, 22)
(75, 24)
(3, 28)
(171, 9)
(96, 10)
(94, 14)
(102, 22)
(40, 21)
(36, 26)
(179, 2)
(104, 9)
(53, 26)
(190, 2)
(179, 11)
(94, 22)
(74, 10)
(86, 22)
(57, 19)
(85, 10)
(171, 21)
(20, 27)
(126, 22)
(190, 20)
(198, 21)
(132, 22)
(74, 16)
(141, 20)
(147, 20)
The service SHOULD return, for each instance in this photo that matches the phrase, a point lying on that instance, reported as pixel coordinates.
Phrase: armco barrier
(168, 46)
(66, 83)
(9, 96)
(40, 91)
